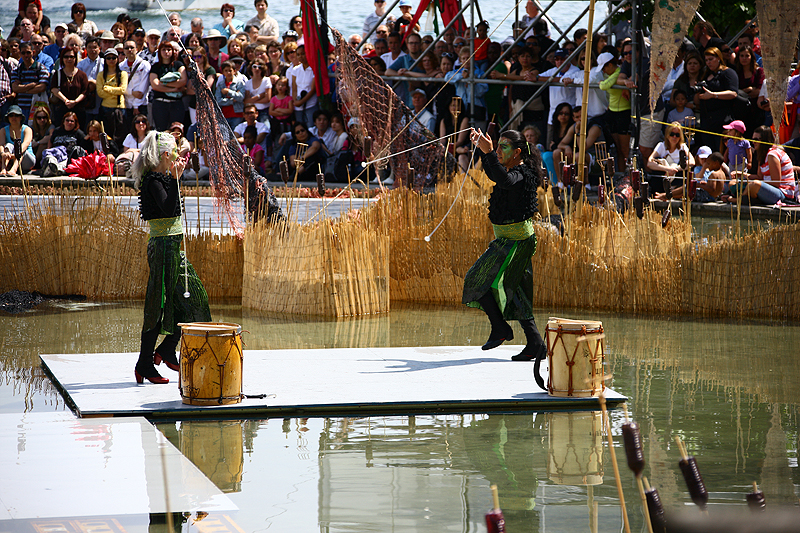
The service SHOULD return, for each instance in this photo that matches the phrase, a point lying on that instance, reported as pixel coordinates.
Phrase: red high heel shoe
(157, 379)
(157, 359)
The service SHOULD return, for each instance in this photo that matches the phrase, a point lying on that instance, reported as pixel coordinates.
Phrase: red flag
(316, 56)
(450, 9)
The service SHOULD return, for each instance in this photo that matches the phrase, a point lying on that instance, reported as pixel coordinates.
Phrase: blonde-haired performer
(156, 173)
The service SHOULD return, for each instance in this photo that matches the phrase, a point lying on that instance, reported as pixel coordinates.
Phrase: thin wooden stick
(614, 463)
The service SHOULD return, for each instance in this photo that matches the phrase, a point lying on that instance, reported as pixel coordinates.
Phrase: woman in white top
(136, 137)
(666, 157)
(258, 89)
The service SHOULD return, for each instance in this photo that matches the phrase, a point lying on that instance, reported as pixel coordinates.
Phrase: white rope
(417, 147)
(186, 293)
(466, 174)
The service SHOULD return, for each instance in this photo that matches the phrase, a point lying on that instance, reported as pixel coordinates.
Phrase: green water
(729, 389)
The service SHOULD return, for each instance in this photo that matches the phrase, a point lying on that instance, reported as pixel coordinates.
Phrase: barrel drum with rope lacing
(575, 357)
(211, 363)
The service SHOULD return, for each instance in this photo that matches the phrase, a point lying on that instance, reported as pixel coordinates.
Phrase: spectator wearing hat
(289, 36)
(53, 49)
(150, 52)
(16, 129)
(107, 41)
(419, 99)
(229, 26)
(736, 149)
(176, 129)
(267, 25)
(214, 42)
(406, 17)
(91, 66)
(138, 37)
(28, 79)
(112, 83)
(69, 88)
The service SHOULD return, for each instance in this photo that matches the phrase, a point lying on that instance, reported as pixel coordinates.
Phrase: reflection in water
(729, 389)
(217, 449)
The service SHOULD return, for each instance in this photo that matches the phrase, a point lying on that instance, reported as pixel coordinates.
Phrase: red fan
(88, 167)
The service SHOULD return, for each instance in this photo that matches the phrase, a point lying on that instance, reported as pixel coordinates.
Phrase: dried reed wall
(353, 266)
(93, 246)
(328, 268)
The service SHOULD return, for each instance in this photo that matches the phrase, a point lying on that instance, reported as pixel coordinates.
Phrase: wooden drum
(575, 448)
(211, 363)
(575, 357)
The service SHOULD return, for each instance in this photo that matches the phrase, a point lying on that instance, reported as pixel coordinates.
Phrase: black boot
(501, 331)
(145, 369)
(166, 352)
(535, 347)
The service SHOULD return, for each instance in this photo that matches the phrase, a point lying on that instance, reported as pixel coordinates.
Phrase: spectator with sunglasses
(138, 70)
(229, 25)
(372, 20)
(69, 88)
(86, 28)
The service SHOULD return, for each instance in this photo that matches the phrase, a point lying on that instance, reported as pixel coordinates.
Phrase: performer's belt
(161, 227)
(518, 231)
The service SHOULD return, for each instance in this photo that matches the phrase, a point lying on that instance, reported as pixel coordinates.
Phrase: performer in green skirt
(174, 291)
(501, 280)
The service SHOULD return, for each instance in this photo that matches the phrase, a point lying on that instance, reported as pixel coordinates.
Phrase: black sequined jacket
(513, 197)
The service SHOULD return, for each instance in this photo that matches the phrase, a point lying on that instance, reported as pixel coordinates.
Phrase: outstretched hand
(481, 140)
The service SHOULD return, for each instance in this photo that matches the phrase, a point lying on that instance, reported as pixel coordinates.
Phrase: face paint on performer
(505, 151)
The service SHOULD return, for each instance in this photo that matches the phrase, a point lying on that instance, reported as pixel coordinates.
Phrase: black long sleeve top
(158, 196)
(513, 197)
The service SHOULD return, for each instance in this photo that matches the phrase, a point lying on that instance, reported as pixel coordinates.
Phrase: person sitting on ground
(251, 119)
(665, 158)
(774, 181)
(14, 130)
(313, 157)
(42, 129)
(252, 148)
(709, 176)
(563, 120)
(92, 143)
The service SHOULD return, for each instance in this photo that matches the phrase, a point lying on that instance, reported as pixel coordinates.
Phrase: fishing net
(390, 123)
(231, 174)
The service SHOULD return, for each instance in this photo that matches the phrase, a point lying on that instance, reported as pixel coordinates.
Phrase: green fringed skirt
(505, 270)
(164, 300)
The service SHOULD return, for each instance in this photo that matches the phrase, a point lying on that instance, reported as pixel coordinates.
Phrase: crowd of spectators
(62, 86)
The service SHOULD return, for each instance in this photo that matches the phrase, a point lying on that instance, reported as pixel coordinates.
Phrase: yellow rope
(697, 130)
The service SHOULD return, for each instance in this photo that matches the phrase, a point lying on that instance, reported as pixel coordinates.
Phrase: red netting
(229, 169)
(389, 122)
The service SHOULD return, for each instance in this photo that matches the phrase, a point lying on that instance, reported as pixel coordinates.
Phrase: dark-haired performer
(155, 173)
(501, 280)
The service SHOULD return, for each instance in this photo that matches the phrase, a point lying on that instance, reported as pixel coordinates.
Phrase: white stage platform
(56, 466)
(326, 382)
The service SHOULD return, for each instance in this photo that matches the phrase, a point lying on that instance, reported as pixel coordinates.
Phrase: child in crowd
(681, 111)
(737, 150)
(281, 109)
(230, 94)
(253, 149)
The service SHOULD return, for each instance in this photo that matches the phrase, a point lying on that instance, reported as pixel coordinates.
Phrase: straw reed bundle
(75, 245)
(328, 268)
(218, 260)
(93, 246)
